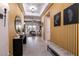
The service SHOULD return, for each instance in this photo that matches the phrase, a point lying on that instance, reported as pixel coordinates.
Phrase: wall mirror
(18, 24)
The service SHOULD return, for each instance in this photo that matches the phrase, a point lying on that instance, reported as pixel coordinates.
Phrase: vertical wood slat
(78, 35)
(65, 35)
(72, 38)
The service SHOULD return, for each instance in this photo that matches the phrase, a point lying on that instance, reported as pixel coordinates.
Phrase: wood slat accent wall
(66, 36)
(78, 34)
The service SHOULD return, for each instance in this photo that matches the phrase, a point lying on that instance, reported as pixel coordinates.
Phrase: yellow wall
(14, 11)
(65, 35)
(78, 34)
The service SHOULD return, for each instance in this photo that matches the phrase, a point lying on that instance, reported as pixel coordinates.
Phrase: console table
(17, 47)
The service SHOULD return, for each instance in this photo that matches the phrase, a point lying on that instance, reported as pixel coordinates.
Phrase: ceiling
(34, 9)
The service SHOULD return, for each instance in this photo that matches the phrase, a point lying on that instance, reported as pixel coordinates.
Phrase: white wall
(43, 29)
(4, 46)
(47, 28)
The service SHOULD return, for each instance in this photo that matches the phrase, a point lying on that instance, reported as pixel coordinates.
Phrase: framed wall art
(57, 19)
(71, 14)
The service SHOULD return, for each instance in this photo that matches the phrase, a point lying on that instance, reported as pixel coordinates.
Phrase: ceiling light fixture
(33, 8)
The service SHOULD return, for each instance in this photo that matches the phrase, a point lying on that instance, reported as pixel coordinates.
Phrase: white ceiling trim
(44, 7)
(34, 14)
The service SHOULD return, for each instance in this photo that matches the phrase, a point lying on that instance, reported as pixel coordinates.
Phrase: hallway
(48, 28)
(35, 47)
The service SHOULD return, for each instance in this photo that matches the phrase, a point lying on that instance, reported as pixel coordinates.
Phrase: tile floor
(35, 47)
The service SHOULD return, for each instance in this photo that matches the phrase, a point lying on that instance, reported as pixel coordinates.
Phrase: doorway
(47, 27)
